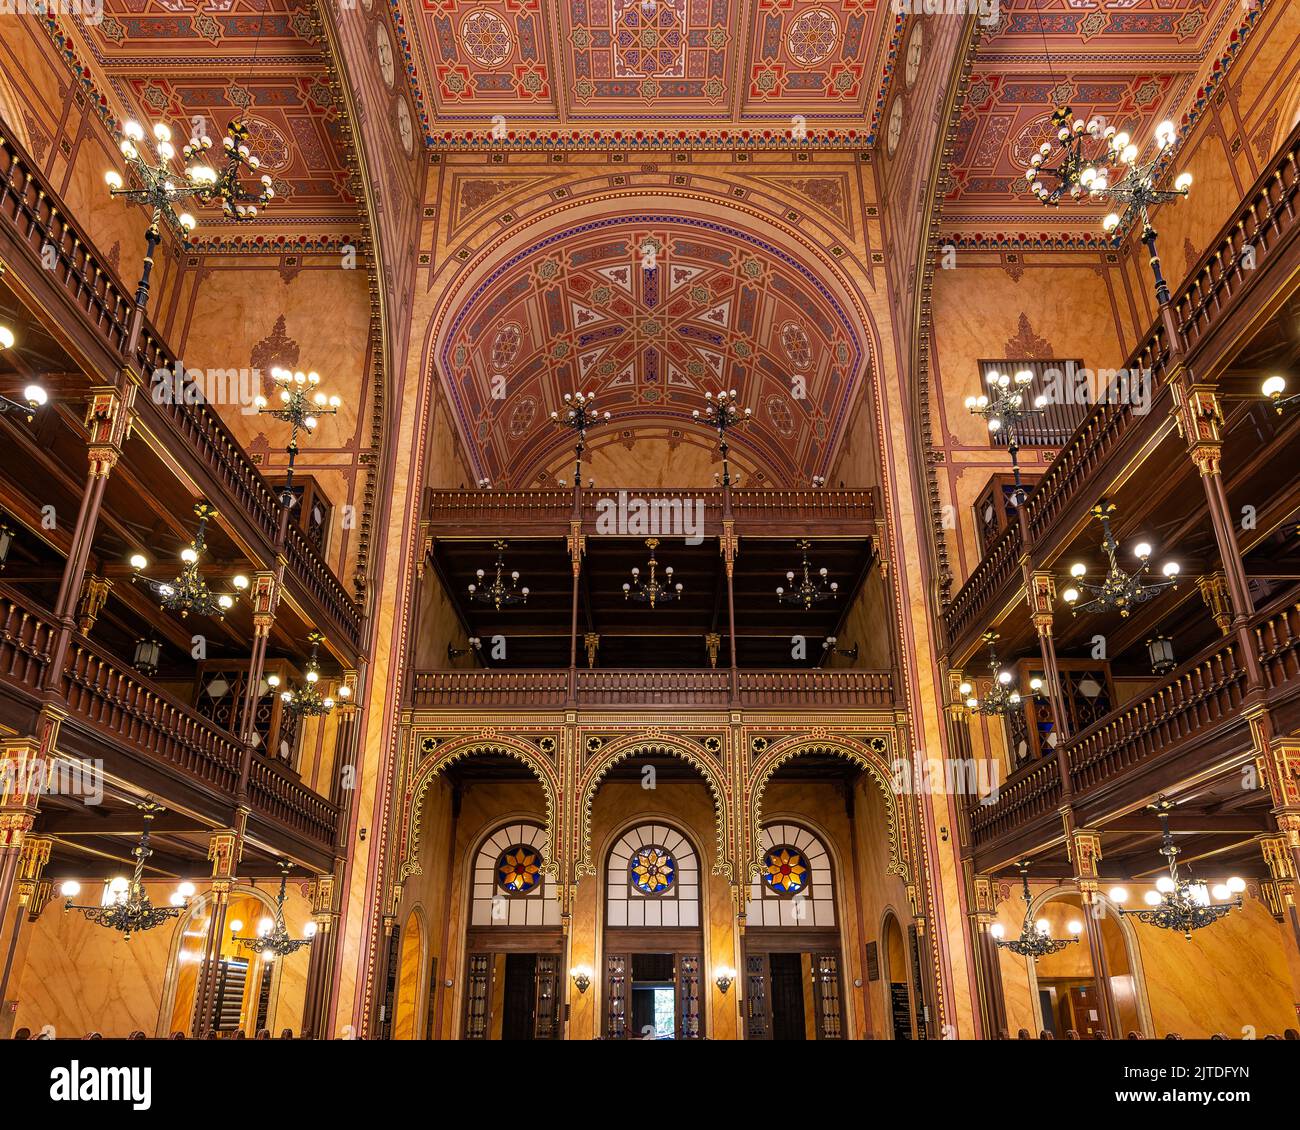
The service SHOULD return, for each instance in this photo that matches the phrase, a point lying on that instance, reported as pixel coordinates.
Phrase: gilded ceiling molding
(447, 753)
(870, 755)
(612, 752)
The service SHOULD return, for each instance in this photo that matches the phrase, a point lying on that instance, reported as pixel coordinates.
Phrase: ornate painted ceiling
(201, 63)
(650, 312)
(693, 69)
(1132, 62)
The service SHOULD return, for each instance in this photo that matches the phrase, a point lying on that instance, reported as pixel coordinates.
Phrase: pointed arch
(620, 750)
(447, 753)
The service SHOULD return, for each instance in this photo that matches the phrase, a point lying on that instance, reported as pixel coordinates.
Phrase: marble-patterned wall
(80, 977)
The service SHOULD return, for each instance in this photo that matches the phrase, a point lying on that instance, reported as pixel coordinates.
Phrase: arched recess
(1133, 951)
(870, 756)
(612, 753)
(621, 212)
(896, 970)
(184, 960)
(411, 963)
(444, 754)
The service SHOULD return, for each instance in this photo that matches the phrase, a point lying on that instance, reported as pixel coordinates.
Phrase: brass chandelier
(308, 701)
(1177, 903)
(188, 592)
(652, 591)
(499, 592)
(273, 938)
(126, 905)
(811, 589)
(1003, 696)
(1004, 408)
(579, 415)
(723, 412)
(1035, 939)
(1117, 591)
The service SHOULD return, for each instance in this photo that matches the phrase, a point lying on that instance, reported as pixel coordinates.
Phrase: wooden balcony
(1189, 725)
(669, 690)
(547, 513)
(94, 309)
(1212, 310)
(145, 735)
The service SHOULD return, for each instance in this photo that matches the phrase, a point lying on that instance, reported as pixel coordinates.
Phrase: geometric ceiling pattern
(1133, 63)
(649, 312)
(199, 64)
(698, 67)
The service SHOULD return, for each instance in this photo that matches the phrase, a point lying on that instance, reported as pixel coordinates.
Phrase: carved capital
(94, 594)
(109, 416)
(225, 849)
(1084, 848)
(591, 641)
(729, 544)
(712, 642)
(575, 541)
(1214, 591)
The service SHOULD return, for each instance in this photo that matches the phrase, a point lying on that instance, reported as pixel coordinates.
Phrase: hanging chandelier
(1035, 937)
(1176, 903)
(1003, 696)
(723, 413)
(273, 938)
(811, 589)
(1004, 408)
(126, 906)
(189, 593)
(652, 591)
(308, 701)
(301, 404)
(1117, 591)
(499, 592)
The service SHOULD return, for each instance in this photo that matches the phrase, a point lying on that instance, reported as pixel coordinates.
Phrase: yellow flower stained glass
(519, 870)
(784, 870)
(653, 870)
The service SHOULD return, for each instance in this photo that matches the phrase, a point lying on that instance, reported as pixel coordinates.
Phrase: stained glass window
(785, 870)
(519, 870)
(653, 870)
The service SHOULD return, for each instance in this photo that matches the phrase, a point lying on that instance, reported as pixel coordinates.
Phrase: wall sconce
(475, 644)
(581, 975)
(724, 979)
(829, 645)
(1161, 651)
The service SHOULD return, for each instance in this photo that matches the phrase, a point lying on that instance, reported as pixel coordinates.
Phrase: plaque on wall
(873, 961)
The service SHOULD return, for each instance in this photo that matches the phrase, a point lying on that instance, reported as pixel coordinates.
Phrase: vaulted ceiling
(698, 67)
(650, 311)
(1132, 62)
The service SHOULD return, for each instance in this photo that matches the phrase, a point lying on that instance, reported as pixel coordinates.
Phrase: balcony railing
(1200, 703)
(1111, 434)
(31, 218)
(833, 513)
(124, 709)
(675, 689)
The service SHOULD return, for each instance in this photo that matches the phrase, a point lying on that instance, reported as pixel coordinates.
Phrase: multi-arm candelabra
(810, 589)
(723, 413)
(579, 414)
(188, 593)
(273, 939)
(301, 404)
(1117, 591)
(1035, 939)
(1004, 408)
(652, 590)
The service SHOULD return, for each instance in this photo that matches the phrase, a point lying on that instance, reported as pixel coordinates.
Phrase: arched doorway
(895, 970)
(410, 963)
(653, 937)
(514, 942)
(1065, 986)
(792, 950)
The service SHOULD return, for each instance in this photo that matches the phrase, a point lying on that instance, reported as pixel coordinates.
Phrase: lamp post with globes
(1004, 408)
(723, 413)
(300, 405)
(160, 188)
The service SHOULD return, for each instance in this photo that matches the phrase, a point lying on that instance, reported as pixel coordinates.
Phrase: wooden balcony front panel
(676, 690)
(547, 513)
(1189, 724)
(90, 304)
(113, 709)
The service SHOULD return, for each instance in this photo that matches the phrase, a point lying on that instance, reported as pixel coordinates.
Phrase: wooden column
(108, 418)
(24, 767)
(1040, 587)
(576, 542)
(265, 596)
(992, 1004)
(729, 547)
(33, 855)
(225, 847)
(1084, 846)
(320, 961)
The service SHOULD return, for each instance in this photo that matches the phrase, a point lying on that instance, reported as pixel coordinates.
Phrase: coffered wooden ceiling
(1132, 62)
